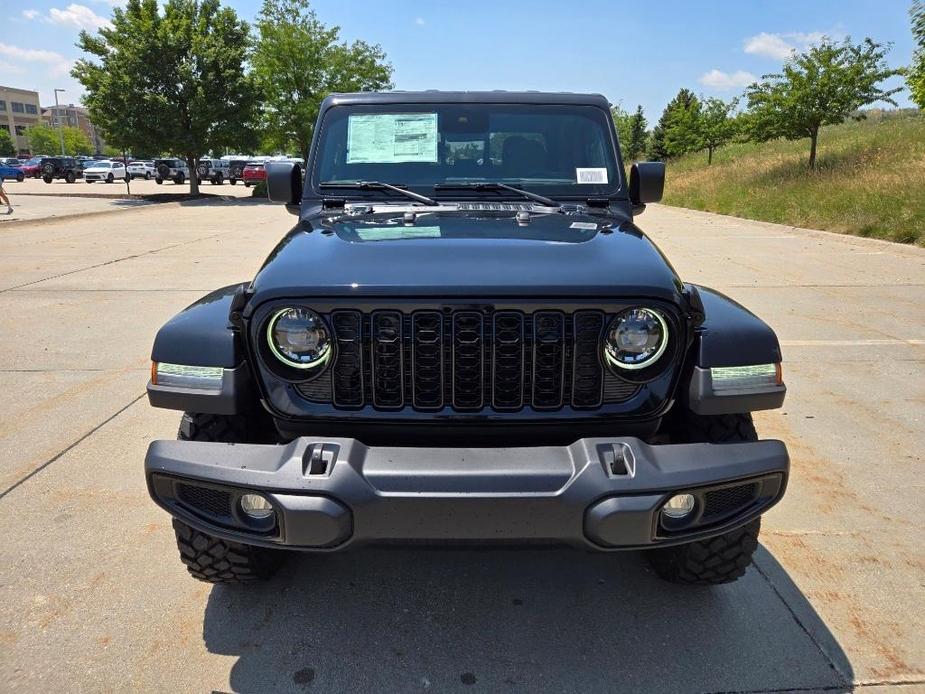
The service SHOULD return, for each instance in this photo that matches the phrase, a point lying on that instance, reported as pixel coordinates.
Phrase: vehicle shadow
(561, 620)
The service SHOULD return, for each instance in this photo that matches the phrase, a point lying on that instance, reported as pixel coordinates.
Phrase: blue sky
(632, 52)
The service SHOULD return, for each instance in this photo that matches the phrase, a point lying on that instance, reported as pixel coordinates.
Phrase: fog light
(256, 506)
(679, 506)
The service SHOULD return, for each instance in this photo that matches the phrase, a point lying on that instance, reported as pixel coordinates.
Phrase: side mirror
(647, 182)
(284, 182)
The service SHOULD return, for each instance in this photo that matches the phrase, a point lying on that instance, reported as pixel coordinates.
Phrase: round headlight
(299, 338)
(636, 339)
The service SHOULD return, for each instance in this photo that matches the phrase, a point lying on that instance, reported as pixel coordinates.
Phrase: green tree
(623, 123)
(683, 102)
(76, 142)
(823, 86)
(636, 146)
(682, 129)
(172, 82)
(43, 139)
(7, 146)
(717, 124)
(915, 75)
(298, 61)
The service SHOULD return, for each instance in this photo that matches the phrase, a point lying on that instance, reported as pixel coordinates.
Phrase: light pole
(60, 124)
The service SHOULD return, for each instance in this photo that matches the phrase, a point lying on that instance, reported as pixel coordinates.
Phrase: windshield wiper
(493, 185)
(378, 185)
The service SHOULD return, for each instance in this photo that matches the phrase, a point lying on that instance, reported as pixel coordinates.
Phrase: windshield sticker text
(391, 138)
(597, 175)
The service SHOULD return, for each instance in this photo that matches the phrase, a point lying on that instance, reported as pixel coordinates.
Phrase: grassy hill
(869, 181)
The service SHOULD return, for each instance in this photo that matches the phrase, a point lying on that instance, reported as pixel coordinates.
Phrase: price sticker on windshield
(391, 138)
(593, 176)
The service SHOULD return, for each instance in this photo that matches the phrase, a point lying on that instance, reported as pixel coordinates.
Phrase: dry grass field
(869, 181)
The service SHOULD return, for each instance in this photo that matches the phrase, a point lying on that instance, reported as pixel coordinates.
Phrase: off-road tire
(180, 178)
(232, 181)
(720, 559)
(209, 558)
(159, 181)
(47, 179)
(69, 177)
(214, 560)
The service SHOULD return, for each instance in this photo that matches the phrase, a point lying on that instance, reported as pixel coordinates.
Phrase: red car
(33, 167)
(253, 173)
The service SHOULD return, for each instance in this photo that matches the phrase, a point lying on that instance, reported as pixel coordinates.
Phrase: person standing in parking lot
(5, 199)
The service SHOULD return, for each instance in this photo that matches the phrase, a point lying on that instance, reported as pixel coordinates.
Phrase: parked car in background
(68, 168)
(32, 168)
(105, 171)
(174, 170)
(236, 170)
(254, 173)
(9, 171)
(141, 169)
(11, 161)
(214, 170)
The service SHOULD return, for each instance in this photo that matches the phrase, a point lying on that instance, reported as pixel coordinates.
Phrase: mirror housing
(284, 182)
(647, 183)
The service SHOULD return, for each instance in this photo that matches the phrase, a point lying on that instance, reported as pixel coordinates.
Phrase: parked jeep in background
(174, 170)
(213, 170)
(52, 168)
(236, 170)
(466, 349)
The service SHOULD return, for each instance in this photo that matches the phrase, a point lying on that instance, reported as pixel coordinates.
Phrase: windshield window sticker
(391, 138)
(589, 226)
(397, 233)
(596, 175)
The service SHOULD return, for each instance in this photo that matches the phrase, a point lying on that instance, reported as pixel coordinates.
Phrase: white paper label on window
(591, 175)
(391, 138)
(396, 233)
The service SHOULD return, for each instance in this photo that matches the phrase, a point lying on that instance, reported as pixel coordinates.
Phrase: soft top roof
(437, 97)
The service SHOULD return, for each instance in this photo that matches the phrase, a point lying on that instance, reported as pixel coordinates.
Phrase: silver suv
(174, 170)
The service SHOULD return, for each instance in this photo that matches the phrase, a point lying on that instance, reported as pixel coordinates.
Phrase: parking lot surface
(93, 596)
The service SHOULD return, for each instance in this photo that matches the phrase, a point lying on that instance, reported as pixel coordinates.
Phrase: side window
(30, 108)
(18, 107)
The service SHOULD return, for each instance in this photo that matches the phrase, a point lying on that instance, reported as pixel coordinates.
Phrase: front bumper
(602, 494)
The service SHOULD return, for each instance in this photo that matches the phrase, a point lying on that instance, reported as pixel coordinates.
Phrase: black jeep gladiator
(465, 339)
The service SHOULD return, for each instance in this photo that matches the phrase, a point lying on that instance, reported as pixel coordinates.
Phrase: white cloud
(80, 16)
(780, 46)
(30, 14)
(717, 79)
(419, 21)
(11, 69)
(56, 63)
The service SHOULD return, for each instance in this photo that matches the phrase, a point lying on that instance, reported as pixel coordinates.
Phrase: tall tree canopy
(680, 107)
(823, 86)
(298, 61)
(622, 122)
(637, 135)
(43, 139)
(916, 74)
(172, 81)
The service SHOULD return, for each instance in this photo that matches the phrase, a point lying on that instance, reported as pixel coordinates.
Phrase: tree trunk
(812, 148)
(192, 162)
(709, 155)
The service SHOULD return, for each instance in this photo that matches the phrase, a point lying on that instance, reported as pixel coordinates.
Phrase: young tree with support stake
(172, 81)
(823, 86)
(716, 125)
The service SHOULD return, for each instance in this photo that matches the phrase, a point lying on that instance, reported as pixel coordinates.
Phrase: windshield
(553, 150)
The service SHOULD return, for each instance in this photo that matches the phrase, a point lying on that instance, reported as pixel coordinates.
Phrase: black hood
(466, 254)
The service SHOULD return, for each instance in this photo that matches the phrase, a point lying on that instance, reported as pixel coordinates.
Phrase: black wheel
(147, 175)
(179, 179)
(232, 181)
(720, 559)
(109, 178)
(20, 177)
(220, 180)
(69, 177)
(214, 560)
(209, 558)
(159, 181)
(247, 184)
(47, 179)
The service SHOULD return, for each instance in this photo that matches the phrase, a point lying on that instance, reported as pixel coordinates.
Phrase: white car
(141, 169)
(106, 171)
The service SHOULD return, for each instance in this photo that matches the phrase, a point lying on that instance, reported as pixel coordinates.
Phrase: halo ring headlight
(299, 338)
(636, 339)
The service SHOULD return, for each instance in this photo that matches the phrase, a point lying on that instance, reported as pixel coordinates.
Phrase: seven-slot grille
(467, 360)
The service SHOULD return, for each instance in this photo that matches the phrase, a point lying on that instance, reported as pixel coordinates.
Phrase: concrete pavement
(94, 598)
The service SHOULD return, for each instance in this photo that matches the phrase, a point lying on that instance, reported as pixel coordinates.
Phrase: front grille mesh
(467, 360)
(728, 500)
(212, 502)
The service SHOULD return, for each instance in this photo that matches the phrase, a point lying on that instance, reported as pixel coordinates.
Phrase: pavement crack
(110, 262)
(70, 447)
